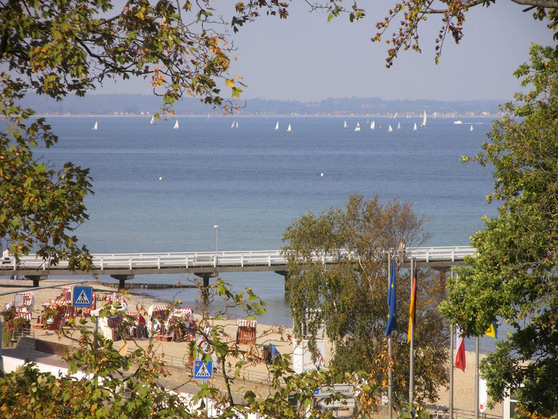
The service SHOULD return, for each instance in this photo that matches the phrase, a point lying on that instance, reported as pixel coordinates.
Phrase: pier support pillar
(36, 279)
(122, 280)
(205, 284)
(205, 276)
(285, 276)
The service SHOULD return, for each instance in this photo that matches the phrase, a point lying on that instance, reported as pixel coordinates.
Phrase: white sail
(399, 125)
(152, 122)
(277, 126)
(390, 129)
(373, 125)
(236, 124)
(471, 129)
(176, 126)
(423, 123)
(415, 127)
(357, 128)
(289, 128)
(95, 127)
(345, 124)
(232, 125)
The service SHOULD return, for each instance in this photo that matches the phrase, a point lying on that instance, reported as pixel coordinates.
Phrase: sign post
(347, 401)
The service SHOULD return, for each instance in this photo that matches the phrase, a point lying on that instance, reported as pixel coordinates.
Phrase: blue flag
(392, 302)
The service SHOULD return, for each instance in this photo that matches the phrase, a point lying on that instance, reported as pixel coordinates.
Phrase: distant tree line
(136, 104)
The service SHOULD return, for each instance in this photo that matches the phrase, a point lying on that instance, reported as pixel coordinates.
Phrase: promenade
(175, 354)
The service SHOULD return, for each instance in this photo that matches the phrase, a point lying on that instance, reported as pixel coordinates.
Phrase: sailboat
(471, 129)
(277, 126)
(176, 125)
(345, 124)
(373, 125)
(390, 129)
(232, 125)
(357, 128)
(95, 127)
(415, 127)
(289, 128)
(236, 124)
(423, 123)
(399, 125)
(152, 122)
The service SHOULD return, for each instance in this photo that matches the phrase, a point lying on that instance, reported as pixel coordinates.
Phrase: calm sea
(164, 189)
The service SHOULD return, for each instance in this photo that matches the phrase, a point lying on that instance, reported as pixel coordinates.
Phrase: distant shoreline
(453, 116)
(135, 105)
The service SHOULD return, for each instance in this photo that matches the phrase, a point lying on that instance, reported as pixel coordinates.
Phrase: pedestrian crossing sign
(82, 296)
(202, 370)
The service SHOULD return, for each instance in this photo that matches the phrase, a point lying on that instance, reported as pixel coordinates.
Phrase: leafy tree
(349, 299)
(40, 207)
(512, 277)
(66, 47)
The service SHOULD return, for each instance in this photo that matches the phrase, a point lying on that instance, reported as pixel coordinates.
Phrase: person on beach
(141, 330)
(156, 326)
(6, 256)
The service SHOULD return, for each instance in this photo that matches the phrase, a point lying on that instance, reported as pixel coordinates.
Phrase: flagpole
(390, 372)
(452, 328)
(477, 410)
(411, 346)
(452, 360)
(390, 379)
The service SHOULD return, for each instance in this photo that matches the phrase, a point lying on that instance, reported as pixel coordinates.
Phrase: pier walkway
(124, 266)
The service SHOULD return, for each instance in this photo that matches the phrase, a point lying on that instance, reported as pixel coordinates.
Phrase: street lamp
(216, 227)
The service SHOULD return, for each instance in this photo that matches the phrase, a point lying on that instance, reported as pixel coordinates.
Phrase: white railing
(222, 259)
(440, 253)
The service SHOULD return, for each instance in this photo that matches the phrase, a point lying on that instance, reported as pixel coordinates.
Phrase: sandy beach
(176, 353)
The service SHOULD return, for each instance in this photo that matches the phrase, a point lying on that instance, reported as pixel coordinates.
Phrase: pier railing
(222, 261)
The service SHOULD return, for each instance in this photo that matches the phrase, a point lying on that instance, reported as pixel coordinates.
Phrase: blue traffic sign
(82, 296)
(203, 371)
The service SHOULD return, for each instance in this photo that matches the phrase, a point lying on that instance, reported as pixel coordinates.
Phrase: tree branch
(545, 4)
(467, 4)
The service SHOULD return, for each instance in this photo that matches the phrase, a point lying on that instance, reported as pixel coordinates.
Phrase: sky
(306, 58)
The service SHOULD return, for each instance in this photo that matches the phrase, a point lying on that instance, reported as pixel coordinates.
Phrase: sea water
(162, 189)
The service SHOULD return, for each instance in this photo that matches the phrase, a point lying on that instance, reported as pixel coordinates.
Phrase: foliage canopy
(512, 278)
(407, 17)
(348, 300)
(66, 47)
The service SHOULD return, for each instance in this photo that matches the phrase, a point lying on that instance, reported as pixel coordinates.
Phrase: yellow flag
(492, 331)
(412, 309)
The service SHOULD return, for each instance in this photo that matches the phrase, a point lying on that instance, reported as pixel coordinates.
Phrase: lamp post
(216, 227)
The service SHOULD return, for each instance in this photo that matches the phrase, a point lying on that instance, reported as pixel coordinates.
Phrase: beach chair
(246, 332)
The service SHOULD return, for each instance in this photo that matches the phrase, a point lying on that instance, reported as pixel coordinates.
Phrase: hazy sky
(306, 58)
